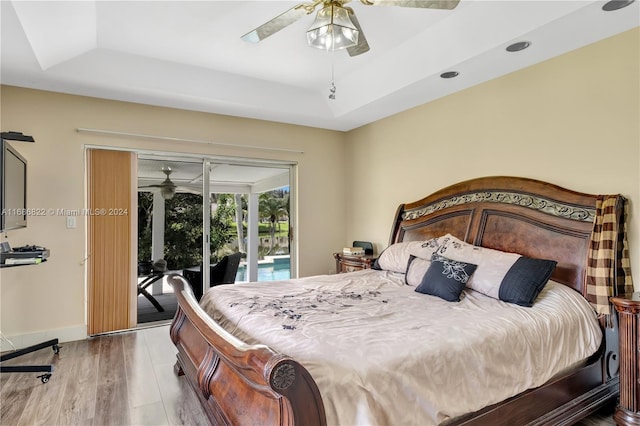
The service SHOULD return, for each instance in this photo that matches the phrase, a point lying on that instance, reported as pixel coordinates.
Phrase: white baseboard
(20, 341)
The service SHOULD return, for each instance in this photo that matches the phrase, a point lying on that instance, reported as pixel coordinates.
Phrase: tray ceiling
(188, 54)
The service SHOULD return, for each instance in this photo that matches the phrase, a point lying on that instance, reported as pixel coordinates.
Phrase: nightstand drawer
(348, 266)
(346, 263)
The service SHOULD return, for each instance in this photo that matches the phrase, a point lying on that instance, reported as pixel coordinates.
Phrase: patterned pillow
(446, 278)
(509, 277)
(395, 258)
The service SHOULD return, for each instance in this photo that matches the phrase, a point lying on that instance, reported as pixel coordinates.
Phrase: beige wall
(573, 120)
(51, 296)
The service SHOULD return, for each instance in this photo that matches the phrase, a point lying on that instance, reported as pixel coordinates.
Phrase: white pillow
(416, 269)
(395, 258)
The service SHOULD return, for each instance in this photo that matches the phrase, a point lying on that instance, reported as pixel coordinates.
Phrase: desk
(4, 265)
(142, 288)
(42, 254)
(46, 369)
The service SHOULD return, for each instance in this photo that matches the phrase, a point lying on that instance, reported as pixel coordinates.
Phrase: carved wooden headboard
(520, 215)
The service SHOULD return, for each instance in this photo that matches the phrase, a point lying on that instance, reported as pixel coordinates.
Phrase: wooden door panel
(110, 272)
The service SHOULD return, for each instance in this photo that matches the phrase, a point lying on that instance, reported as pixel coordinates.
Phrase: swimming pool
(270, 270)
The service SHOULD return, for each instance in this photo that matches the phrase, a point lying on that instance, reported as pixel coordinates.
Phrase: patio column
(157, 236)
(252, 236)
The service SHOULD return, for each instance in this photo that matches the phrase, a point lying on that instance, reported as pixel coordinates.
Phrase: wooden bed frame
(250, 384)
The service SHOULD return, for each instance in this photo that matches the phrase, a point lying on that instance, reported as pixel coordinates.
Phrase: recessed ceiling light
(449, 74)
(612, 5)
(516, 47)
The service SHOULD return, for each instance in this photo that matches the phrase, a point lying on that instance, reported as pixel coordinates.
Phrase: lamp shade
(332, 29)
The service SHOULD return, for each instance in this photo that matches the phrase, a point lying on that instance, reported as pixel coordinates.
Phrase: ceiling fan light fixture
(332, 29)
(167, 192)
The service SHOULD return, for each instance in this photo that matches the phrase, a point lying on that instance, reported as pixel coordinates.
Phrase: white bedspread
(382, 354)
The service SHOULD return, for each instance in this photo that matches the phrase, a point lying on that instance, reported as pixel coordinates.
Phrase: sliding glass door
(251, 213)
(170, 235)
(195, 212)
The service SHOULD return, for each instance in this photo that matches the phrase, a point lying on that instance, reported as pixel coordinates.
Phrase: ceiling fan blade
(362, 46)
(188, 190)
(276, 24)
(425, 4)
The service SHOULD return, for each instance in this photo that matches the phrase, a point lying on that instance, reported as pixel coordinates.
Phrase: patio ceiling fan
(167, 187)
(336, 26)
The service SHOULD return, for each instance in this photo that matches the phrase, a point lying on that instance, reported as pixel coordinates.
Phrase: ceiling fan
(167, 187)
(336, 27)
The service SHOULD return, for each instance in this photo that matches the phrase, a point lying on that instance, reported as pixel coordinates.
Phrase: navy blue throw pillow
(446, 278)
(525, 280)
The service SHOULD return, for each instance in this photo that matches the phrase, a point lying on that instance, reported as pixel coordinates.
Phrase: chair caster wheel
(45, 377)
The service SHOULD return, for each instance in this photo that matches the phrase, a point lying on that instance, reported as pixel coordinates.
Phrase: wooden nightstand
(348, 263)
(628, 307)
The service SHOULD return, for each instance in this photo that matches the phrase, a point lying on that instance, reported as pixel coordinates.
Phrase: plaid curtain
(608, 248)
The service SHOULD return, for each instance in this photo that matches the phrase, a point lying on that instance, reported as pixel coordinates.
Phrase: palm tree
(272, 208)
(221, 224)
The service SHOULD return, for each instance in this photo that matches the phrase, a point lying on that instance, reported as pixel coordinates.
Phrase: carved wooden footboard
(237, 383)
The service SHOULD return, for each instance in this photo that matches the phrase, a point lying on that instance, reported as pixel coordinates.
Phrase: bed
(261, 358)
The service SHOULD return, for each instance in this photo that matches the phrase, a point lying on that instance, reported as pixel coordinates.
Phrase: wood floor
(119, 379)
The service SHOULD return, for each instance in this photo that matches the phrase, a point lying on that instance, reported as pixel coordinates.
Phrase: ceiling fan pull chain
(332, 89)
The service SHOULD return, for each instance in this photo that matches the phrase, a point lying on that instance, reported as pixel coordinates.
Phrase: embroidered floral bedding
(382, 353)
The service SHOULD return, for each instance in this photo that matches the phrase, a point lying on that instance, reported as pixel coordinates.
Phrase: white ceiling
(189, 54)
